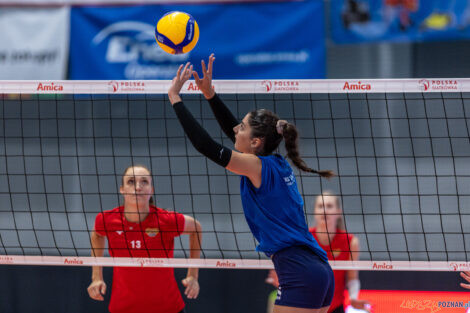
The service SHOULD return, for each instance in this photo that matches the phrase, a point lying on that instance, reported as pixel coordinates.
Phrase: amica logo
(356, 86)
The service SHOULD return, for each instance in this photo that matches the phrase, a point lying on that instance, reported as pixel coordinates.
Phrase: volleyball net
(400, 149)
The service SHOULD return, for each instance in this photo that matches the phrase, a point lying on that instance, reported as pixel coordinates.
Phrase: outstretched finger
(196, 77)
(211, 61)
(188, 72)
(178, 72)
(186, 68)
(203, 65)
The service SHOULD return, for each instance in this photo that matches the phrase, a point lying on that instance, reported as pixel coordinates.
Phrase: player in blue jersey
(271, 201)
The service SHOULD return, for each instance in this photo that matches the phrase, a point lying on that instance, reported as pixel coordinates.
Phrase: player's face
(327, 211)
(137, 186)
(243, 139)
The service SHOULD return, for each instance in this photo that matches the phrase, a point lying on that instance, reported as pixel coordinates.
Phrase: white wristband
(354, 286)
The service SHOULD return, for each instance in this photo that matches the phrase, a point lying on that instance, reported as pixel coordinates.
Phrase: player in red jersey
(138, 229)
(340, 246)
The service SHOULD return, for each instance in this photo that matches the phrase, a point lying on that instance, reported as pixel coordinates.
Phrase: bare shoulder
(245, 164)
(354, 243)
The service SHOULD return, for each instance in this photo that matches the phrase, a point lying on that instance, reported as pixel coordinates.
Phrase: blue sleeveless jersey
(274, 211)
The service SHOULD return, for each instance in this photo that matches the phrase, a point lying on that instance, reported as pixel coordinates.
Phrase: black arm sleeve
(200, 139)
(223, 115)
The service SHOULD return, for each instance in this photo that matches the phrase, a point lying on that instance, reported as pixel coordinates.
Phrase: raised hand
(182, 76)
(205, 84)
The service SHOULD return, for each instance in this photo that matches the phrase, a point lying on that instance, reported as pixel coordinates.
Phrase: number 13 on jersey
(136, 244)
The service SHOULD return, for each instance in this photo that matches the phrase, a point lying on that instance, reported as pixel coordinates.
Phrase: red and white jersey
(147, 290)
(337, 250)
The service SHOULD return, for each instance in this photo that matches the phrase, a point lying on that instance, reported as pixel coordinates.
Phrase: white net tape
(227, 263)
(240, 86)
(419, 86)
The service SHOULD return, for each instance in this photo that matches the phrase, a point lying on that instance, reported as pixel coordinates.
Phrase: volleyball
(177, 32)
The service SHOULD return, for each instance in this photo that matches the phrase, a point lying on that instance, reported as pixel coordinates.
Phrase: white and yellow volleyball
(177, 32)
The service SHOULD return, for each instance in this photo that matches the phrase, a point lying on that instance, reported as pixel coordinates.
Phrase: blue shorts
(305, 280)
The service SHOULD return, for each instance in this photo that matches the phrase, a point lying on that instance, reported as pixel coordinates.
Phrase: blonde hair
(340, 222)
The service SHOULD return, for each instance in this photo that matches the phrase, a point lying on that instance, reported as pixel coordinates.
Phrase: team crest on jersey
(336, 252)
(152, 232)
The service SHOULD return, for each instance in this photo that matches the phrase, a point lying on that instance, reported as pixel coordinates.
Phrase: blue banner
(278, 40)
(354, 21)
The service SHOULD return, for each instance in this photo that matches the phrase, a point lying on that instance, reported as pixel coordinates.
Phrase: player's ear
(256, 143)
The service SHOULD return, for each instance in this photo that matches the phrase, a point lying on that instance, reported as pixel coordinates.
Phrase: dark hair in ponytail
(291, 136)
(151, 201)
(263, 124)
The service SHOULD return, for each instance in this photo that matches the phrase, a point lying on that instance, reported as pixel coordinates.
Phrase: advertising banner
(410, 301)
(34, 43)
(355, 21)
(250, 41)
